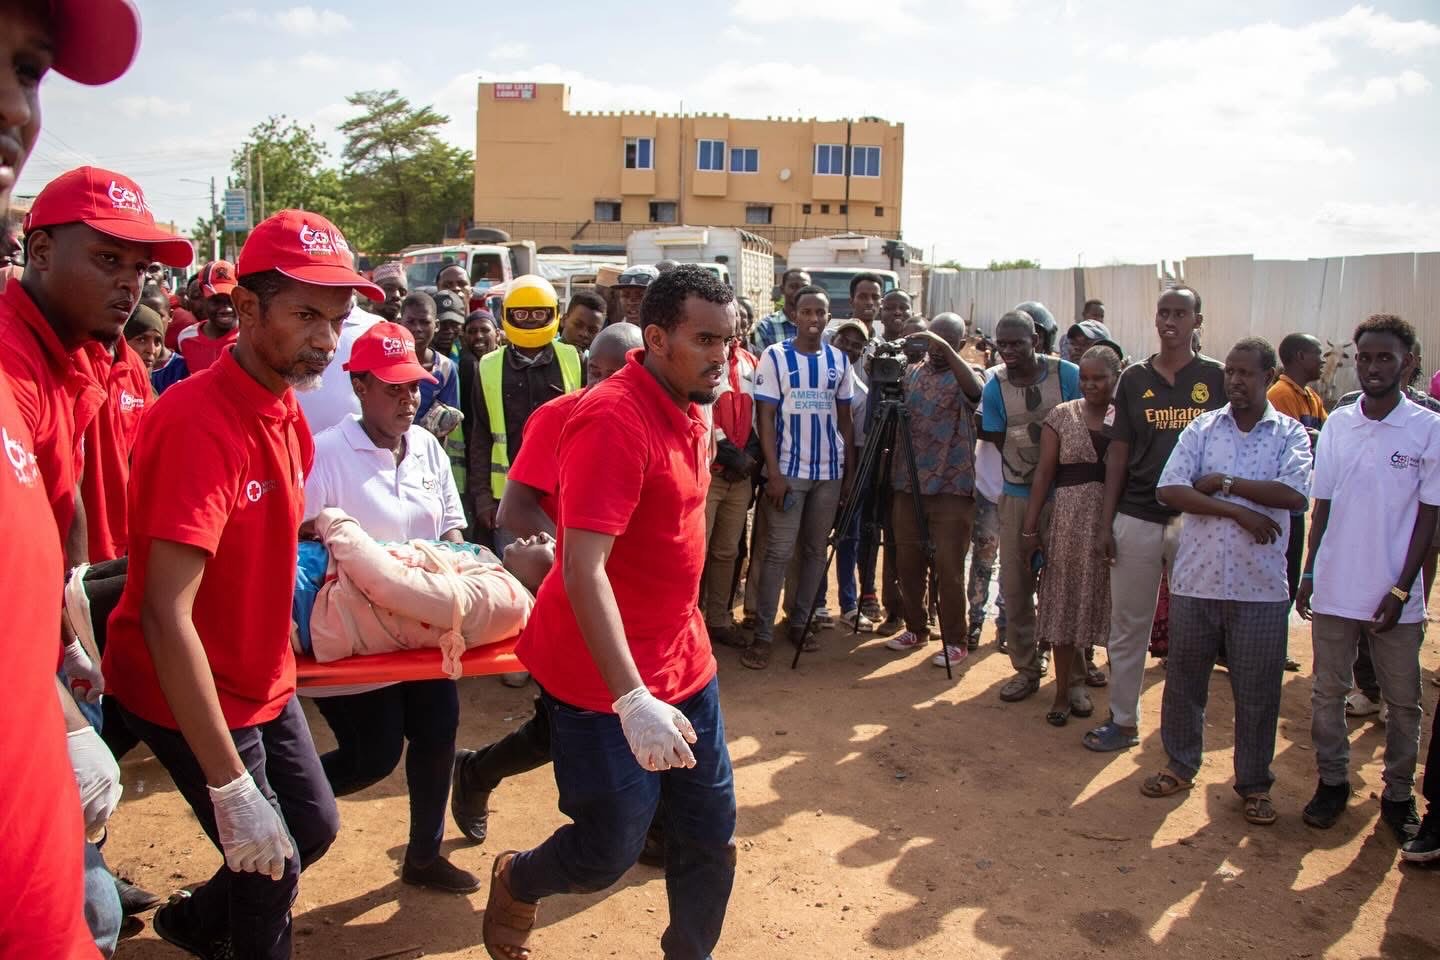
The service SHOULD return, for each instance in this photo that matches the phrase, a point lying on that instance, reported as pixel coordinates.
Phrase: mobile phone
(790, 501)
(1037, 560)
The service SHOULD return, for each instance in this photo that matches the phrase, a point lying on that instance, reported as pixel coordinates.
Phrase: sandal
(807, 641)
(1057, 718)
(1259, 810)
(1164, 784)
(1095, 677)
(1107, 738)
(508, 921)
(1080, 703)
(757, 656)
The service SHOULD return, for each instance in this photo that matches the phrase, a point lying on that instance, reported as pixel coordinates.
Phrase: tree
(1014, 265)
(405, 182)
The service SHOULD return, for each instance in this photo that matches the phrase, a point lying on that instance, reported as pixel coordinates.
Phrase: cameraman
(941, 391)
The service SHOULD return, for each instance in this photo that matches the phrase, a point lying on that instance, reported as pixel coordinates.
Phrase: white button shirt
(413, 500)
(334, 400)
(1375, 473)
(1217, 559)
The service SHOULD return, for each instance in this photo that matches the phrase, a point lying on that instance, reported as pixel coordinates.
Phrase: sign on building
(237, 210)
(514, 91)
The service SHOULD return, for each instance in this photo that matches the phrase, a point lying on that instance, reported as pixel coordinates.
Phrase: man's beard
(304, 382)
(1381, 391)
(301, 377)
(704, 397)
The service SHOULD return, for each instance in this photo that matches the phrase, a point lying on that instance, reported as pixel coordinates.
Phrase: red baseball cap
(95, 40)
(217, 277)
(387, 350)
(110, 203)
(306, 247)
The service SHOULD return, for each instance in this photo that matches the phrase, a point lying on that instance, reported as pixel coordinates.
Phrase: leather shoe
(470, 809)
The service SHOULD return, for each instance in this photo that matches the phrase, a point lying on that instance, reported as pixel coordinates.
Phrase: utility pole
(260, 162)
(214, 230)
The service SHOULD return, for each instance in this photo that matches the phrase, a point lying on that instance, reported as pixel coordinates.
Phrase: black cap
(449, 304)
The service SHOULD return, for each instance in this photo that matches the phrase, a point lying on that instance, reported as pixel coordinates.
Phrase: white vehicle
(487, 264)
(833, 262)
(742, 259)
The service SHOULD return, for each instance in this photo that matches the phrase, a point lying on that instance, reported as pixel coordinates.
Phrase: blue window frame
(710, 155)
(744, 160)
(830, 158)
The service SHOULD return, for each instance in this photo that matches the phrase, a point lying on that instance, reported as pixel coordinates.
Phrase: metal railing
(567, 233)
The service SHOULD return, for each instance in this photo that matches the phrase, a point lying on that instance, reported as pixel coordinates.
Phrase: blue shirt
(174, 370)
(447, 391)
(992, 410)
(808, 390)
(771, 330)
(1217, 559)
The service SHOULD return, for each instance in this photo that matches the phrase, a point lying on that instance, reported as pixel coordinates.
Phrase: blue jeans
(847, 563)
(611, 801)
(102, 903)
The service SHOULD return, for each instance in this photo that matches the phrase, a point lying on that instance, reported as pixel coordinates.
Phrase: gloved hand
(252, 834)
(97, 775)
(659, 735)
(82, 675)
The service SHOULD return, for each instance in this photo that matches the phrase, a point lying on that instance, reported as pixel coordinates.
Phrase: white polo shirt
(413, 500)
(1375, 473)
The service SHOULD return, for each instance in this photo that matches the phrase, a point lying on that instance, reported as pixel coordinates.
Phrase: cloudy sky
(1069, 131)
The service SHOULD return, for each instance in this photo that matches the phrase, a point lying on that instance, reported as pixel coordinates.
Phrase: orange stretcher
(484, 661)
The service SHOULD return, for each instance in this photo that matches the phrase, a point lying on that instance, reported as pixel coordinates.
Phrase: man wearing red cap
(201, 344)
(203, 672)
(41, 831)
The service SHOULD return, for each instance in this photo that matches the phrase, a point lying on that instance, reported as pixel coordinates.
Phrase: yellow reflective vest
(492, 367)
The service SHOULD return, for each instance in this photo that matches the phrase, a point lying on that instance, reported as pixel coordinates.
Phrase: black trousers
(250, 909)
(524, 748)
(371, 729)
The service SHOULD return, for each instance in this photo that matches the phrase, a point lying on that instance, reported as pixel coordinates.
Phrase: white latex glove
(252, 834)
(659, 735)
(97, 775)
(82, 675)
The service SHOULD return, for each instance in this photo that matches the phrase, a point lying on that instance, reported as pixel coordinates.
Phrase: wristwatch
(1226, 484)
(1402, 595)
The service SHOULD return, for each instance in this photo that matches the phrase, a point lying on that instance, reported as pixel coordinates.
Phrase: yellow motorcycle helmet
(530, 293)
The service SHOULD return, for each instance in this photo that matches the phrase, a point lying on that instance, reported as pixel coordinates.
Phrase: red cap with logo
(306, 247)
(110, 203)
(94, 40)
(387, 351)
(216, 278)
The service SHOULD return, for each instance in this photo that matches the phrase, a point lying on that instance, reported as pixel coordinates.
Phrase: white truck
(487, 264)
(742, 259)
(834, 260)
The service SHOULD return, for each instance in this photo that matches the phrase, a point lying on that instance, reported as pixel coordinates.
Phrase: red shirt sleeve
(537, 464)
(203, 471)
(603, 456)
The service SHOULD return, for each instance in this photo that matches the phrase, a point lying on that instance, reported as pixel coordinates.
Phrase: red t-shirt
(180, 319)
(108, 441)
(633, 466)
(231, 459)
(41, 835)
(537, 464)
(55, 397)
(200, 350)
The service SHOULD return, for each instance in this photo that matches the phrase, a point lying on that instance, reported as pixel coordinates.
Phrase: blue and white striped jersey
(808, 388)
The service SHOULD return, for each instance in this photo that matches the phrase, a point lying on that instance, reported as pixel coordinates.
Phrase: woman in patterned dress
(1074, 604)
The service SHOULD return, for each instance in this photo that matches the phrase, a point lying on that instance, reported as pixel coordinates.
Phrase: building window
(662, 212)
(879, 211)
(830, 158)
(607, 211)
(865, 161)
(710, 155)
(758, 215)
(744, 160)
(639, 153)
(844, 208)
(805, 209)
(824, 208)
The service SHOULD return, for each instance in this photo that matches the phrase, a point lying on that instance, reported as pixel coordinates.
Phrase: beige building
(583, 181)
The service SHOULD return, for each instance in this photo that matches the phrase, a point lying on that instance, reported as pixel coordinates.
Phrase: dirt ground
(887, 812)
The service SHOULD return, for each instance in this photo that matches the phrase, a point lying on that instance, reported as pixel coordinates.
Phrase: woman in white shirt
(394, 478)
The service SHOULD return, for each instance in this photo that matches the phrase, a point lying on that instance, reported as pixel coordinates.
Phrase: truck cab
(487, 264)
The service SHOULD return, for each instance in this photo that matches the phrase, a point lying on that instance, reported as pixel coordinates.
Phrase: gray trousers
(1143, 550)
(1254, 637)
(1396, 655)
(802, 530)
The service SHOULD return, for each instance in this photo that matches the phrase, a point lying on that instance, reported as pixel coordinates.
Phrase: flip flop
(1057, 718)
(1108, 738)
(1164, 784)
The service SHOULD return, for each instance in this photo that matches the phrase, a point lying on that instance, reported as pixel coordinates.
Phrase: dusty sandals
(508, 921)
(1164, 784)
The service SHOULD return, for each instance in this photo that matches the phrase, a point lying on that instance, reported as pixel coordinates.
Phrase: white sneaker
(954, 655)
(1359, 705)
(858, 621)
(824, 619)
(906, 641)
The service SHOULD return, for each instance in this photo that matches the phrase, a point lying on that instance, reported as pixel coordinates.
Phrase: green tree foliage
(404, 181)
(1014, 265)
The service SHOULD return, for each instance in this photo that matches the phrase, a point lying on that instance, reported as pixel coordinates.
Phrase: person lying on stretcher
(355, 596)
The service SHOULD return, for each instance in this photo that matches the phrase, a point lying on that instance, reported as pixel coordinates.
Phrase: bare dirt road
(886, 812)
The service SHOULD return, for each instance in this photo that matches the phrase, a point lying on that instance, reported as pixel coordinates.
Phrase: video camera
(888, 363)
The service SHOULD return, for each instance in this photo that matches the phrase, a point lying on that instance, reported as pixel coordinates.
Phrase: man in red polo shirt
(42, 836)
(202, 343)
(618, 644)
(203, 671)
(108, 440)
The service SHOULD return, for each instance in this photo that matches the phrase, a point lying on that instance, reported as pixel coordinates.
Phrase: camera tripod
(873, 473)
